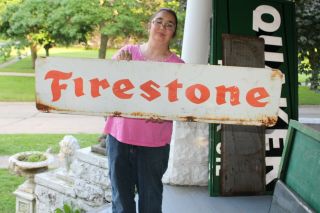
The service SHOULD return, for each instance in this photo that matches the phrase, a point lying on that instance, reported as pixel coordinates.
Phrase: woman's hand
(124, 55)
(102, 138)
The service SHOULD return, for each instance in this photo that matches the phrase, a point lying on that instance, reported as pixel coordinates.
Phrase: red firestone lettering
(196, 93)
(221, 95)
(191, 93)
(256, 94)
(96, 84)
(56, 87)
(120, 87)
(78, 87)
(152, 92)
(173, 90)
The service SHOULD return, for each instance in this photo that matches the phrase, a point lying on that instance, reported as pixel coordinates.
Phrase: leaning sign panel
(137, 89)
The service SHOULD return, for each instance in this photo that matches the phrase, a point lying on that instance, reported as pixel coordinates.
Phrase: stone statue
(68, 147)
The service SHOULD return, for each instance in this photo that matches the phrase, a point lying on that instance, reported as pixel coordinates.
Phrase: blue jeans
(136, 168)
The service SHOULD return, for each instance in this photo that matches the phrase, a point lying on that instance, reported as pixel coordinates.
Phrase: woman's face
(162, 27)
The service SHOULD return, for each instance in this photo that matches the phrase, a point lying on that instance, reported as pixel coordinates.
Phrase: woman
(138, 149)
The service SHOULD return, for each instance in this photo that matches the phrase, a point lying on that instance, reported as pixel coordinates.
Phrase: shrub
(68, 208)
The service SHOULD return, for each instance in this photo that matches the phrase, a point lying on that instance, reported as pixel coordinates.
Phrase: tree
(5, 3)
(73, 21)
(308, 25)
(45, 22)
(27, 21)
(48, 22)
(124, 18)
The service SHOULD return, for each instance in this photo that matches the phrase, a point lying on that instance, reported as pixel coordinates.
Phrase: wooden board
(243, 147)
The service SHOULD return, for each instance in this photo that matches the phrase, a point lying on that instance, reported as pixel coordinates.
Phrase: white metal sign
(137, 89)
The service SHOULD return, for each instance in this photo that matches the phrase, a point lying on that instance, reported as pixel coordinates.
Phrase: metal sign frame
(137, 89)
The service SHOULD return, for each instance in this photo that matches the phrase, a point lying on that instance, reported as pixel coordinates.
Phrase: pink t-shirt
(140, 132)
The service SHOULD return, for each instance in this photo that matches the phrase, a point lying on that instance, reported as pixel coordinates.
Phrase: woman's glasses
(166, 25)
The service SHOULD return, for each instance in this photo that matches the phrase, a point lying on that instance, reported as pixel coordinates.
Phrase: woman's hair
(168, 10)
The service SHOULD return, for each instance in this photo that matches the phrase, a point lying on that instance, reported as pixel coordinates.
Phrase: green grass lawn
(8, 184)
(14, 143)
(308, 97)
(25, 66)
(17, 88)
(77, 52)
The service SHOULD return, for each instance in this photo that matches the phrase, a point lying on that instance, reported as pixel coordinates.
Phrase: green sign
(300, 167)
(274, 21)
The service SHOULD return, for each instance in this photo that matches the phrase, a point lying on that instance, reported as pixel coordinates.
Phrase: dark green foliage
(50, 22)
(73, 20)
(67, 208)
(36, 157)
(308, 25)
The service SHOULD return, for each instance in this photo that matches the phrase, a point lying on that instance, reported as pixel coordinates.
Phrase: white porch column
(188, 161)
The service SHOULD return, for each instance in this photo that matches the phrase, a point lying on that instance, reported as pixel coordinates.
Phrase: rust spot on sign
(276, 74)
(189, 118)
(269, 121)
(44, 108)
(138, 114)
(116, 114)
(47, 108)
(148, 116)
